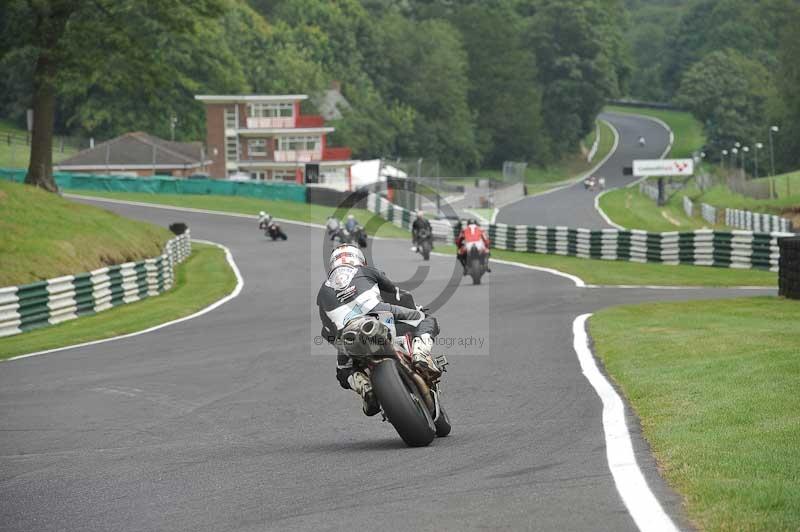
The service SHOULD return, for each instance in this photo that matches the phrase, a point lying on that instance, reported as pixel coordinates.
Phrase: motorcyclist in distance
(353, 289)
(641, 141)
(264, 220)
(419, 224)
(351, 223)
(471, 233)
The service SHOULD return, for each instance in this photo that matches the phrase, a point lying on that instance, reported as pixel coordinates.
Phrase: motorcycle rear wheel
(475, 270)
(403, 406)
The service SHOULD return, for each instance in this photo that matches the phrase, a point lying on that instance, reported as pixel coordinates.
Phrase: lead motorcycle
(424, 243)
(477, 260)
(409, 399)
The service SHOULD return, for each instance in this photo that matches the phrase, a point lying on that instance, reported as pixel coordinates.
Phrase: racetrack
(573, 206)
(234, 420)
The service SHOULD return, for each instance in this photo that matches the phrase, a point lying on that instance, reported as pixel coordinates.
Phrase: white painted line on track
(657, 287)
(236, 291)
(641, 502)
(574, 278)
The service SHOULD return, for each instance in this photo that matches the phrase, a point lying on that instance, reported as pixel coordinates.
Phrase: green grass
(716, 385)
(722, 196)
(609, 272)
(689, 136)
(18, 155)
(43, 235)
(289, 210)
(571, 167)
(204, 278)
(486, 214)
(633, 210)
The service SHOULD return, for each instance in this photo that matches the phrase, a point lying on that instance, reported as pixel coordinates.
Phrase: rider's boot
(422, 355)
(360, 383)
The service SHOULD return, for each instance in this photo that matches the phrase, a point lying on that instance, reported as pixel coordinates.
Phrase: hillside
(43, 235)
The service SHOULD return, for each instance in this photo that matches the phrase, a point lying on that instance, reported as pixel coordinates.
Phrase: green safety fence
(170, 185)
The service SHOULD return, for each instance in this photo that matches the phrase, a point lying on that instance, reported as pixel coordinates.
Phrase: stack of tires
(789, 267)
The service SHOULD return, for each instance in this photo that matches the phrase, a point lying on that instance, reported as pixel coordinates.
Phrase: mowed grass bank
(716, 385)
(201, 280)
(689, 135)
(43, 235)
(289, 210)
(633, 210)
(610, 272)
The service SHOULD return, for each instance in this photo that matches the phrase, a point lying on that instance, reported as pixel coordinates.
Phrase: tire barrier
(170, 185)
(725, 249)
(44, 303)
(789, 273)
(756, 221)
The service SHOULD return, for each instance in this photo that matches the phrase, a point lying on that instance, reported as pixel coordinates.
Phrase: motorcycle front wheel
(402, 404)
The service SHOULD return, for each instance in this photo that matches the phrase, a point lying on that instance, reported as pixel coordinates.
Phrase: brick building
(267, 138)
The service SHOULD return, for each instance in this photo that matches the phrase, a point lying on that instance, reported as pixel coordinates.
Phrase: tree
(729, 91)
(75, 40)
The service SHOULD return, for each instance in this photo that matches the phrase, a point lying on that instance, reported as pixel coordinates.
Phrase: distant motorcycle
(477, 258)
(275, 232)
(424, 243)
(641, 142)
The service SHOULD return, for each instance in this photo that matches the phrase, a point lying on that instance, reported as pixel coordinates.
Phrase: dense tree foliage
(465, 83)
(733, 63)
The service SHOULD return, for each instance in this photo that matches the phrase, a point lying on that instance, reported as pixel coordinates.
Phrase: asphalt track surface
(573, 206)
(234, 420)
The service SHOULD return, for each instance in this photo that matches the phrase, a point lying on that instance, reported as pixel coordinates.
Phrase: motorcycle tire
(403, 406)
(475, 270)
(426, 251)
(442, 423)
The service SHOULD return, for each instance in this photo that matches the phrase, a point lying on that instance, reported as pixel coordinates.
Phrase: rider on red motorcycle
(471, 233)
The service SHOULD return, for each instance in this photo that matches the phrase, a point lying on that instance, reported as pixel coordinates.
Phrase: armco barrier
(727, 249)
(756, 221)
(171, 185)
(709, 213)
(65, 298)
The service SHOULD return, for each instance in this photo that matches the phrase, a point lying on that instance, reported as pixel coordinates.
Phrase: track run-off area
(233, 420)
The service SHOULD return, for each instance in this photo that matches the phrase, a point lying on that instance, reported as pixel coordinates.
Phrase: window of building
(257, 147)
(231, 149)
(270, 110)
(298, 143)
(230, 118)
(258, 176)
(283, 175)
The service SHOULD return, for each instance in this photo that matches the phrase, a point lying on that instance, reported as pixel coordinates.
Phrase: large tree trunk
(40, 168)
(50, 22)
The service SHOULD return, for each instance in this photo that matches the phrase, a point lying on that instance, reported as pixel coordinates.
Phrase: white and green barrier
(705, 247)
(65, 298)
(756, 221)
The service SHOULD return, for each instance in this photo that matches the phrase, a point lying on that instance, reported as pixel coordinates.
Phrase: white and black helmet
(346, 255)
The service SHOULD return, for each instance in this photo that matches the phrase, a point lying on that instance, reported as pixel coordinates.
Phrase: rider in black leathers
(419, 224)
(354, 289)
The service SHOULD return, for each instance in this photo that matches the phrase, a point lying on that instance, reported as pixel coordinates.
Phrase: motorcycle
(477, 256)
(275, 232)
(424, 243)
(409, 399)
(357, 236)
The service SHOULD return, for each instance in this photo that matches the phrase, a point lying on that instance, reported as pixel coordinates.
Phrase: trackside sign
(663, 167)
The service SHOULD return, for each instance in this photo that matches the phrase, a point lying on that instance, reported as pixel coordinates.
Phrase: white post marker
(640, 501)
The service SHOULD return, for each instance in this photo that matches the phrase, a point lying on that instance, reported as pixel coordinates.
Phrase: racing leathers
(419, 224)
(471, 233)
(351, 291)
(264, 220)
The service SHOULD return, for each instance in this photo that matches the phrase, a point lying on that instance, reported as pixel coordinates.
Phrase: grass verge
(204, 278)
(715, 384)
(289, 210)
(609, 272)
(43, 235)
(630, 208)
(14, 153)
(689, 136)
